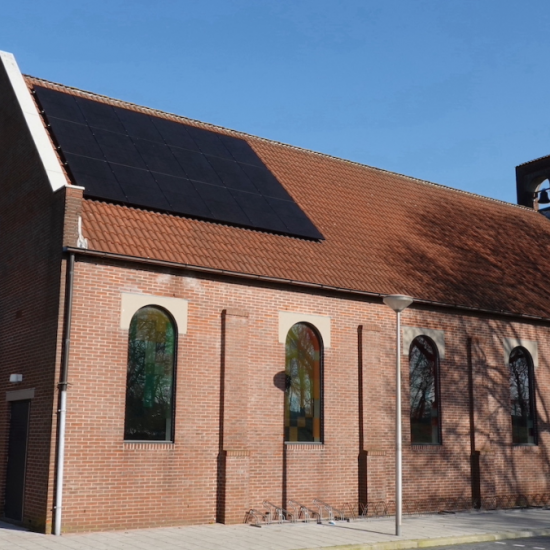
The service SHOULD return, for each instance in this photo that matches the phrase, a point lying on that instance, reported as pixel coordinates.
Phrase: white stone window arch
(437, 336)
(287, 319)
(131, 303)
(508, 344)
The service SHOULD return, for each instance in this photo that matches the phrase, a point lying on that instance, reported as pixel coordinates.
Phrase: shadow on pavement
(11, 527)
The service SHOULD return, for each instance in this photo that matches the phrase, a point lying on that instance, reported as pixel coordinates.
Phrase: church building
(192, 323)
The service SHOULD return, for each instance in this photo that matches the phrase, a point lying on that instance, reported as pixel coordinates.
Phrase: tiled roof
(384, 233)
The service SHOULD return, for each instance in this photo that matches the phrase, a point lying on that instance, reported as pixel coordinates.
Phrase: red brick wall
(229, 367)
(31, 226)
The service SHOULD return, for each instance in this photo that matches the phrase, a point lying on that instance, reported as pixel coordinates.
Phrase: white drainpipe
(63, 401)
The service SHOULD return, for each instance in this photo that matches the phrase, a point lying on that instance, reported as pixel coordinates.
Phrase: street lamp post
(398, 303)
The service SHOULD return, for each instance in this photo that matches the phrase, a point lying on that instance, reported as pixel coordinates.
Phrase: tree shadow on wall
(455, 254)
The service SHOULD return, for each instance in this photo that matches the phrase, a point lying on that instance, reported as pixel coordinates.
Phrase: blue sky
(452, 91)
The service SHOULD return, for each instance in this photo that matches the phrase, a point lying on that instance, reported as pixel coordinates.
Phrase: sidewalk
(376, 534)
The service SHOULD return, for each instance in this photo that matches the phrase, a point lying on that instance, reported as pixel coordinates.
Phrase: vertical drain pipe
(62, 386)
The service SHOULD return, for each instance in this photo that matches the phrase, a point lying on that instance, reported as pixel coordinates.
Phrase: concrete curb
(440, 541)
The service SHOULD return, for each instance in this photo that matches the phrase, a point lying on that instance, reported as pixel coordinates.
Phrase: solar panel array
(136, 159)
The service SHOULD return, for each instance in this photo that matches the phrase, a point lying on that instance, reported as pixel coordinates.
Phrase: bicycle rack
(256, 516)
(276, 513)
(350, 510)
(330, 510)
(302, 512)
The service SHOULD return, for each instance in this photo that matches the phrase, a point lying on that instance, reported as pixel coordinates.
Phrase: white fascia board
(34, 122)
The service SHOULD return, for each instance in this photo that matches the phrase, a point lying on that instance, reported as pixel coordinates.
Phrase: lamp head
(398, 302)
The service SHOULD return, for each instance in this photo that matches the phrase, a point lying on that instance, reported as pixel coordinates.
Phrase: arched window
(150, 377)
(522, 398)
(303, 408)
(424, 380)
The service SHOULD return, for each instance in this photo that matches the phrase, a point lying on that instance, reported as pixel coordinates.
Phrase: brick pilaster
(483, 483)
(372, 456)
(233, 475)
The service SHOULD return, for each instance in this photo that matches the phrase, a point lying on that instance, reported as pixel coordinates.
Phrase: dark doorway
(17, 459)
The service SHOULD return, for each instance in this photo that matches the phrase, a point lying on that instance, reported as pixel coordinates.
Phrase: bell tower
(530, 179)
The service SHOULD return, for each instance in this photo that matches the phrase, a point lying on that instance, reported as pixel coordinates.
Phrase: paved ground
(532, 543)
(377, 534)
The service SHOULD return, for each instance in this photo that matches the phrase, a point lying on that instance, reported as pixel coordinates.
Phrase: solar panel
(181, 203)
(292, 216)
(232, 174)
(75, 138)
(138, 125)
(240, 150)
(59, 105)
(100, 115)
(159, 158)
(228, 211)
(266, 183)
(208, 143)
(299, 226)
(97, 175)
(137, 159)
(182, 196)
(214, 193)
(259, 212)
(174, 133)
(196, 166)
(119, 148)
(284, 207)
(140, 187)
(176, 185)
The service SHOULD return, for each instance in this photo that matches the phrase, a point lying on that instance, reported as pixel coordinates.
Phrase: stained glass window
(424, 371)
(303, 410)
(150, 377)
(522, 405)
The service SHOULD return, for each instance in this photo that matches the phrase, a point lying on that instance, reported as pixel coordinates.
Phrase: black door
(17, 459)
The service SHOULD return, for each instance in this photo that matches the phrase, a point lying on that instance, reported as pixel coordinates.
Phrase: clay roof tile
(435, 243)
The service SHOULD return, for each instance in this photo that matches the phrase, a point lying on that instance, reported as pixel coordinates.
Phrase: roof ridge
(283, 144)
(533, 160)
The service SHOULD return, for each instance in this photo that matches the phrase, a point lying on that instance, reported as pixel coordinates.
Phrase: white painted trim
(287, 319)
(130, 303)
(438, 336)
(20, 395)
(531, 346)
(39, 135)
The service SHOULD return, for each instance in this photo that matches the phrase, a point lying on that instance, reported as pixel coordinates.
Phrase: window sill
(296, 446)
(148, 446)
(427, 448)
(526, 448)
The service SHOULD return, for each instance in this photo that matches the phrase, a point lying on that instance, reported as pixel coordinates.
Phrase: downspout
(62, 412)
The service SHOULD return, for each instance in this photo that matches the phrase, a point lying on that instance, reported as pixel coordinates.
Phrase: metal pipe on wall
(63, 400)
